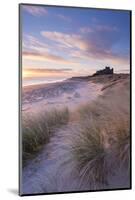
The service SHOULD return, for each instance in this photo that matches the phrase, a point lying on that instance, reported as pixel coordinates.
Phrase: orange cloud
(44, 57)
(35, 72)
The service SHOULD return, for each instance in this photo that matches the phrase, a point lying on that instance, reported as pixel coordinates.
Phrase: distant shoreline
(75, 78)
(39, 82)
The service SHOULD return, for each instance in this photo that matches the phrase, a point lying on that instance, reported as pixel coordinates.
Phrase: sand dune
(54, 168)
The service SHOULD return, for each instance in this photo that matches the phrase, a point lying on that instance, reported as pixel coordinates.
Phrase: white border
(9, 97)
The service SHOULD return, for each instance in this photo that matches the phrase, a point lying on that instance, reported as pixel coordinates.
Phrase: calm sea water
(41, 80)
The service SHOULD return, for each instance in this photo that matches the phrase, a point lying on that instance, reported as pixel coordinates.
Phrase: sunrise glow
(73, 42)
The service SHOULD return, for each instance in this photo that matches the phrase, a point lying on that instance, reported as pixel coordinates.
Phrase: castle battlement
(105, 71)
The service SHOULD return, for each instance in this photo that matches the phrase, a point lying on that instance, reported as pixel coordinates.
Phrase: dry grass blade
(36, 131)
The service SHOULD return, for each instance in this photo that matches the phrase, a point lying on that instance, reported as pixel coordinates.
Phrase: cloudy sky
(63, 42)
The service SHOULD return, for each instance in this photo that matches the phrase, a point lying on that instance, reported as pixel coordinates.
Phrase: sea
(41, 80)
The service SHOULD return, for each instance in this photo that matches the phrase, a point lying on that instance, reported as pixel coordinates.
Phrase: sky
(60, 42)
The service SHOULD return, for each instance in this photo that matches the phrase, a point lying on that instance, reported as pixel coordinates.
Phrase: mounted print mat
(74, 99)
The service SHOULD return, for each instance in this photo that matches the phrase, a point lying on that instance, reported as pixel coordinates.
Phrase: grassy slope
(96, 146)
(104, 134)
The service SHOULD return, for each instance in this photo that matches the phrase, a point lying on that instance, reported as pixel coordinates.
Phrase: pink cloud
(48, 70)
(32, 43)
(44, 56)
(68, 40)
(35, 10)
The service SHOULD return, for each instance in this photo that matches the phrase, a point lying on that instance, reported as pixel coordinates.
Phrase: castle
(105, 71)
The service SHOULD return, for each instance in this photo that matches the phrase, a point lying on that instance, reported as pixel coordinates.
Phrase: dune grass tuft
(90, 154)
(37, 130)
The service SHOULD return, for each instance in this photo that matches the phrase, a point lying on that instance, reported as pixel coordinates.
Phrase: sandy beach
(70, 93)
